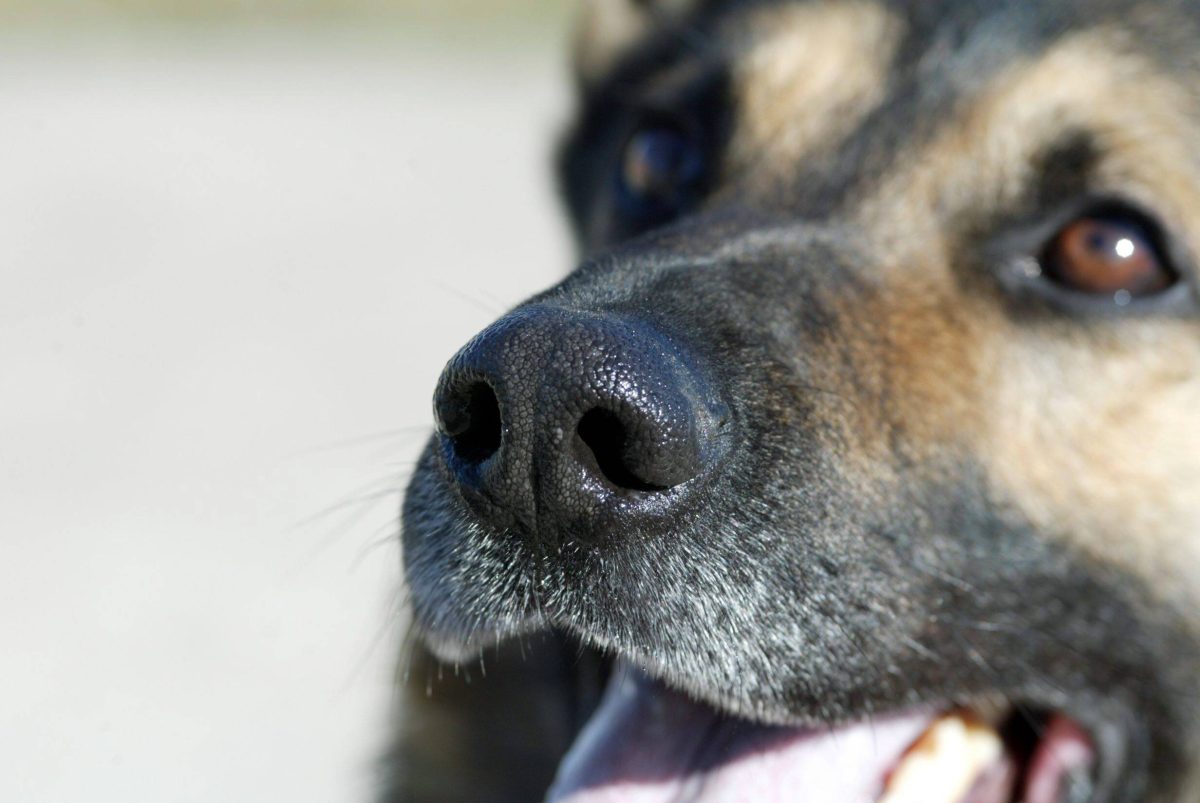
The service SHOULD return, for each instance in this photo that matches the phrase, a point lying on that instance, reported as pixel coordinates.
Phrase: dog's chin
(647, 742)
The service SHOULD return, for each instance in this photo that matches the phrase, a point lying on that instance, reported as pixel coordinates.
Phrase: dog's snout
(553, 421)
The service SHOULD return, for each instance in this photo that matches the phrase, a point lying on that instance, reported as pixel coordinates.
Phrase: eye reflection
(1113, 255)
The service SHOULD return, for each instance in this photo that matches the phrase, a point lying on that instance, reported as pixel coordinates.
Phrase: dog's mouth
(648, 743)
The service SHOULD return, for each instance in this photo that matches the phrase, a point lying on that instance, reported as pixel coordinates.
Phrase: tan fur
(813, 72)
(1094, 430)
(607, 29)
(1103, 443)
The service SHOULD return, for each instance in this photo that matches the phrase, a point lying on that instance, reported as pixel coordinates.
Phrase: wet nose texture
(567, 424)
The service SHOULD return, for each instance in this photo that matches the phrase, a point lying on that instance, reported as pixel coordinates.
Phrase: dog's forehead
(828, 97)
(612, 32)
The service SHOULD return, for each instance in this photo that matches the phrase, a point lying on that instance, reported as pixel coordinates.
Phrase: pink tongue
(646, 743)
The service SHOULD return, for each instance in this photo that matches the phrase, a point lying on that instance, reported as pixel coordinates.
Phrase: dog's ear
(609, 28)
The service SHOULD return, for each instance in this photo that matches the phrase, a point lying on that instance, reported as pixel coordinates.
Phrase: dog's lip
(648, 743)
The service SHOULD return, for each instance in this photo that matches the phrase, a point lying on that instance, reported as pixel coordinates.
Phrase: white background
(231, 268)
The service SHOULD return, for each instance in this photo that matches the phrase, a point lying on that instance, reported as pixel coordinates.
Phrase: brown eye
(1108, 255)
(660, 171)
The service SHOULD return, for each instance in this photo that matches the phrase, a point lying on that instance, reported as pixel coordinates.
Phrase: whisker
(390, 485)
(392, 538)
(489, 305)
(388, 436)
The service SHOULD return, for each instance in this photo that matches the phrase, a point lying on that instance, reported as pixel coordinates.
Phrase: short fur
(940, 489)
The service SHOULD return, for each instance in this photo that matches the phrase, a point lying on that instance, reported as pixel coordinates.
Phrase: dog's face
(877, 397)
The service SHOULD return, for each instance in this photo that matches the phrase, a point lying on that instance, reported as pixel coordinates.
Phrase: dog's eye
(660, 171)
(1114, 254)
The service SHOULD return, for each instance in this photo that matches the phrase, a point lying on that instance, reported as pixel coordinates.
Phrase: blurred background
(238, 240)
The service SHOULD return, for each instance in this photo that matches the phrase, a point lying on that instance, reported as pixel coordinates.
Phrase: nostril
(475, 429)
(606, 437)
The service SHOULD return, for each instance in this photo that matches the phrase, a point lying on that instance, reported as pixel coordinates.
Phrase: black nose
(570, 424)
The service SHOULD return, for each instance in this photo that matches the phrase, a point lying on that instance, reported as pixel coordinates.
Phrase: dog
(859, 459)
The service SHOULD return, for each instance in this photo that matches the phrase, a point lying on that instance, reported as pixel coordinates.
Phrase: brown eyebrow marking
(608, 29)
(984, 157)
(812, 74)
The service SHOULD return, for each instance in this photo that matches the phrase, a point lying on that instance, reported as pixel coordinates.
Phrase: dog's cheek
(1097, 434)
(1090, 429)
(909, 360)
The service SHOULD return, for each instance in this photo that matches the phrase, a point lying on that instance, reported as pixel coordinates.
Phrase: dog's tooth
(943, 765)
